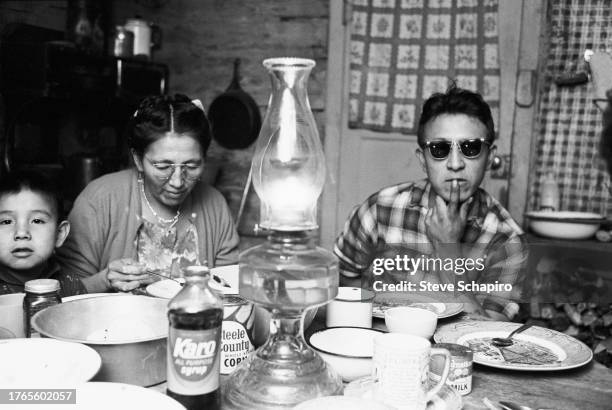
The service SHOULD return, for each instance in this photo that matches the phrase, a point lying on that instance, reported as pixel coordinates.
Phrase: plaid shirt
(396, 215)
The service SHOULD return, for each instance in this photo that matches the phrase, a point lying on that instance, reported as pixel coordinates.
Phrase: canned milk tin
(460, 375)
(236, 333)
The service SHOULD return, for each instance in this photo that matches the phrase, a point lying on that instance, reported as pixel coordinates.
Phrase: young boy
(31, 227)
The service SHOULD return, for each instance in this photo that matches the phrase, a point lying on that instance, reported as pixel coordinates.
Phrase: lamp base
(269, 384)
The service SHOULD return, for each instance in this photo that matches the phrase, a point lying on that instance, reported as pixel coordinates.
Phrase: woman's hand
(127, 274)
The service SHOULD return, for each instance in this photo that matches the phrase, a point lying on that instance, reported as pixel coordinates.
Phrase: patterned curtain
(402, 51)
(570, 124)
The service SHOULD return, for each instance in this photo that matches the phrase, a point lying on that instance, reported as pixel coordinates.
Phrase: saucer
(447, 398)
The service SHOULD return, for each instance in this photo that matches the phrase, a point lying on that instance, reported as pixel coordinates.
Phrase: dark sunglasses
(470, 148)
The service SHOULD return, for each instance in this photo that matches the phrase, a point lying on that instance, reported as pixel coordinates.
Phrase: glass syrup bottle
(195, 317)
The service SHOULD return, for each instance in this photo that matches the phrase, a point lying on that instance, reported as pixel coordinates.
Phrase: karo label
(188, 349)
(193, 355)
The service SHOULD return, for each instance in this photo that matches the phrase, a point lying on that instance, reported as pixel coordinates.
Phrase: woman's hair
(15, 182)
(158, 115)
(456, 101)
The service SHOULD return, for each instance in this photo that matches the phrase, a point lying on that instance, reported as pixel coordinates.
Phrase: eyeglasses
(470, 148)
(188, 171)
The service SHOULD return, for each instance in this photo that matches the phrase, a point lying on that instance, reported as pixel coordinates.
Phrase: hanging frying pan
(234, 115)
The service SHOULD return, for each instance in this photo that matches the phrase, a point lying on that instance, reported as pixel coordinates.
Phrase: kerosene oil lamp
(287, 274)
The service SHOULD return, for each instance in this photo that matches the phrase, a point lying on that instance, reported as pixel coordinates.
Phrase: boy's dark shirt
(69, 284)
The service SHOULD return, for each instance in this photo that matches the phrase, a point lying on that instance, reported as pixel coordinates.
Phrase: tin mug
(460, 376)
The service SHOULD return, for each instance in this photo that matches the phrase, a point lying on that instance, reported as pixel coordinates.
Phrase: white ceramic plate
(165, 288)
(105, 396)
(384, 301)
(535, 349)
(43, 362)
(227, 275)
(363, 389)
(341, 403)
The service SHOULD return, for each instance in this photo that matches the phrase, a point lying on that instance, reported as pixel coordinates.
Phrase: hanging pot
(234, 115)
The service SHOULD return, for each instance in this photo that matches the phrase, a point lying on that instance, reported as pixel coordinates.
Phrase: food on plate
(387, 304)
(520, 352)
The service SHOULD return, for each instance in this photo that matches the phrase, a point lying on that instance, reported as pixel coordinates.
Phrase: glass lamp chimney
(288, 164)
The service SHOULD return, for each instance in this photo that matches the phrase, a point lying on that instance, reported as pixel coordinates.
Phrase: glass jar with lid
(39, 294)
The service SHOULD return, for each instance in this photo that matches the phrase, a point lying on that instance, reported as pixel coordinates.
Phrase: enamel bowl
(40, 362)
(564, 224)
(348, 350)
(128, 332)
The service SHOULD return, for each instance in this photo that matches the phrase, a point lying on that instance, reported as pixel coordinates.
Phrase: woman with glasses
(445, 217)
(158, 216)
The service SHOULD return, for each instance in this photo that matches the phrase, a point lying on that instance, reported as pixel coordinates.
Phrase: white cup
(401, 370)
(411, 321)
(351, 307)
(11, 313)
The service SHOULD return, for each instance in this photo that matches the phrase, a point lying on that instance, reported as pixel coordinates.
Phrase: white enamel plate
(535, 349)
(384, 301)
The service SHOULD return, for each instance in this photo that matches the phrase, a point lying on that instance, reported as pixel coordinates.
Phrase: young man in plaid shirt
(446, 213)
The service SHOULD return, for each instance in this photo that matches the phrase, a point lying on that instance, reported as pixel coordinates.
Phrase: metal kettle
(146, 36)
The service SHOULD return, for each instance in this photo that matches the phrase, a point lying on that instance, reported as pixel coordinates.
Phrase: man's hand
(445, 223)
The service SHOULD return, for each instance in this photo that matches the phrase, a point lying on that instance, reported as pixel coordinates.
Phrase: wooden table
(585, 388)
(588, 387)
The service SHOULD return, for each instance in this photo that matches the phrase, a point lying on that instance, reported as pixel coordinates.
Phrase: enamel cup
(11, 313)
(401, 370)
(351, 307)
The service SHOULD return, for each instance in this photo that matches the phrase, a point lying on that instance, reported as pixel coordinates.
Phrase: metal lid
(42, 285)
(456, 349)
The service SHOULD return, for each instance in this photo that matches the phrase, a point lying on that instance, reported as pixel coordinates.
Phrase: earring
(140, 177)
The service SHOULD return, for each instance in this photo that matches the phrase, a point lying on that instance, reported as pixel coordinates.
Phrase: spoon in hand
(507, 341)
(152, 272)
